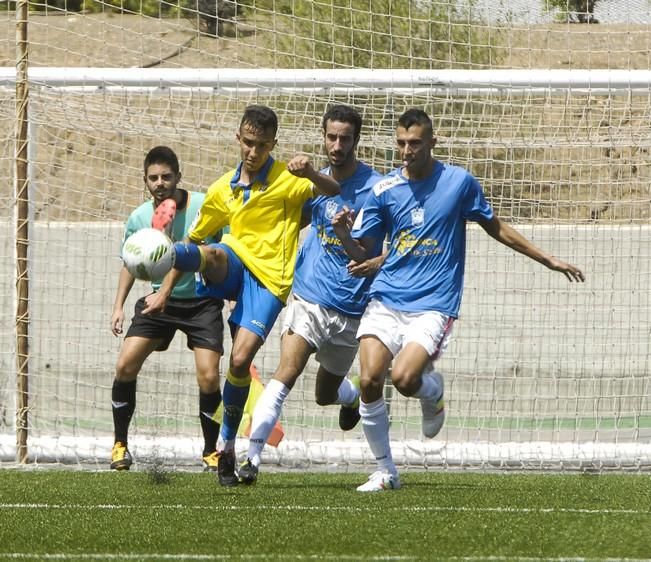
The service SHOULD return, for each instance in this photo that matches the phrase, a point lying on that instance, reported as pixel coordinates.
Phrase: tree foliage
(374, 34)
(332, 33)
(578, 11)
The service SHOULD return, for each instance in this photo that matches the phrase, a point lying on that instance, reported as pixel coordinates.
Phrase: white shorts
(394, 328)
(331, 333)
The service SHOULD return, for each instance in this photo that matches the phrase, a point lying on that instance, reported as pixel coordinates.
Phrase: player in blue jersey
(422, 207)
(200, 318)
(327, 301)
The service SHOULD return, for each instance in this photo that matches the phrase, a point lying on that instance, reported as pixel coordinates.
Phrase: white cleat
(433, 412)
(380, 481)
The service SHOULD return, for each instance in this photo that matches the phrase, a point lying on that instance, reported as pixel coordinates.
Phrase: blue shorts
(256, 307)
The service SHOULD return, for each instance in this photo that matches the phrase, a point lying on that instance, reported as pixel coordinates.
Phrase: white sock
(375, 423)
(429, 388)
(347, 393)
(265, 415)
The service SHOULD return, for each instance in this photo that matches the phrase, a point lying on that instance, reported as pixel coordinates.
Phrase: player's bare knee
(208, 382)
(405, 382)
(126, 373)
(215, 264)
(213, 256)
(371, 389)
(240, 364)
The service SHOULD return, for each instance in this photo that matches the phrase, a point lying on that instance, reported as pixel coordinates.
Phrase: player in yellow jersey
(261, 201)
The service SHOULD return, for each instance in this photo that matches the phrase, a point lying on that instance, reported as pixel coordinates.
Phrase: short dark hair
(344, 114)
(261, 118)
(415, 116)
(162, 155)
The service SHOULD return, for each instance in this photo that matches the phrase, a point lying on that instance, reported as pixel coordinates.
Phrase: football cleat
(226, 469)
(433, 412)
(380, 481)
(349, 415)
(248, 473)
(164, 216)
(121, 458)
(210, 462)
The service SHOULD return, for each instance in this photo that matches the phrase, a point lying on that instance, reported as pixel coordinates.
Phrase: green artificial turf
(68, 515)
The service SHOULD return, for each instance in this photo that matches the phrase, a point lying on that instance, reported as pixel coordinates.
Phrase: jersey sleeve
(475, 206)
(137, 220)
(212, 216)
(302, 190)
(369, 222)
(129, 228)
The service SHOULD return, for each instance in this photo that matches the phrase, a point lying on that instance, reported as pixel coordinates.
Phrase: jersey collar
(260, 177)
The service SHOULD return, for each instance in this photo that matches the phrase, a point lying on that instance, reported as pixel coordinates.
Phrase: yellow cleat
(210, 462)
(121, 458)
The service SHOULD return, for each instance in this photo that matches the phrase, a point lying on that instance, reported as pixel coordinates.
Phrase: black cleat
(348, 417)
(248, 473)
(226, 469)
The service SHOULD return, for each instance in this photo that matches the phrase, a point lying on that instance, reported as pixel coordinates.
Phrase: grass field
(157, 515)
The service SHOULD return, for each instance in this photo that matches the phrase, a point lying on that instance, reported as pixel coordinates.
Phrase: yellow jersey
(264, 219)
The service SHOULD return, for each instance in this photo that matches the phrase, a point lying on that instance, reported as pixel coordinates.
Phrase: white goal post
(541, 373)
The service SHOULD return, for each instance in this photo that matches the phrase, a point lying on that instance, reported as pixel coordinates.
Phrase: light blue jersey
(426, 225)
(321, 275)
(141, 218)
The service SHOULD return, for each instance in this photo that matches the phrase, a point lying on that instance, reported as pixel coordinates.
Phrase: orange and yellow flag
(256, 389)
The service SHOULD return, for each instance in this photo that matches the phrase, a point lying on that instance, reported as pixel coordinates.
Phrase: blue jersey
(426, 224)
(321, 274)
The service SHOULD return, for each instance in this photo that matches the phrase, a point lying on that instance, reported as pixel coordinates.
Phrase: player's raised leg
(211, 260)
(338, 389)
(413, 374)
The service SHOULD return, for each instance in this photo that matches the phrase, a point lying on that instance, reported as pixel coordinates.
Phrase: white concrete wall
(528, 344)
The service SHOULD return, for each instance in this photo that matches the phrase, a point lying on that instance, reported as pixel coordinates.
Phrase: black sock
(208, 404)
(123, 397)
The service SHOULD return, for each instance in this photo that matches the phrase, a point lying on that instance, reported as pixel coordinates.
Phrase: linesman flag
(256, 389)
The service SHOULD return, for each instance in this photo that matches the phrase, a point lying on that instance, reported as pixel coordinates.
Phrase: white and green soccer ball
(148, 254)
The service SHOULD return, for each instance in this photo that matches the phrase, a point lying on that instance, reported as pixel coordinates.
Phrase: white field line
(412, 509)
(211, 557)
(201, 557)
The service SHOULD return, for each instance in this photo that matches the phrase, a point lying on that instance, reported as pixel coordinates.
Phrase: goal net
(541, 373)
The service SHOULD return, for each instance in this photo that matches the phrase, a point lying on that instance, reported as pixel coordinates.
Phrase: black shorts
(199, 319)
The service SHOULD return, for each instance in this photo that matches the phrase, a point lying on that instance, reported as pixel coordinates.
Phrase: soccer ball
(148, 254)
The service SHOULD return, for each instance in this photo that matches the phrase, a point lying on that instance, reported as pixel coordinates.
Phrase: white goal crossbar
(511, 81)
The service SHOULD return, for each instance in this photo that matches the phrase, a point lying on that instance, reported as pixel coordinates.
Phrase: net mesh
(541, 373)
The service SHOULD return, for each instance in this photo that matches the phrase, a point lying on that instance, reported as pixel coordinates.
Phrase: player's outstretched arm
(301, 167)
(507, 235)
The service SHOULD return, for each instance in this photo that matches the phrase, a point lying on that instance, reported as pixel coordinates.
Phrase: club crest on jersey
(331, 209)
(417, 216)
